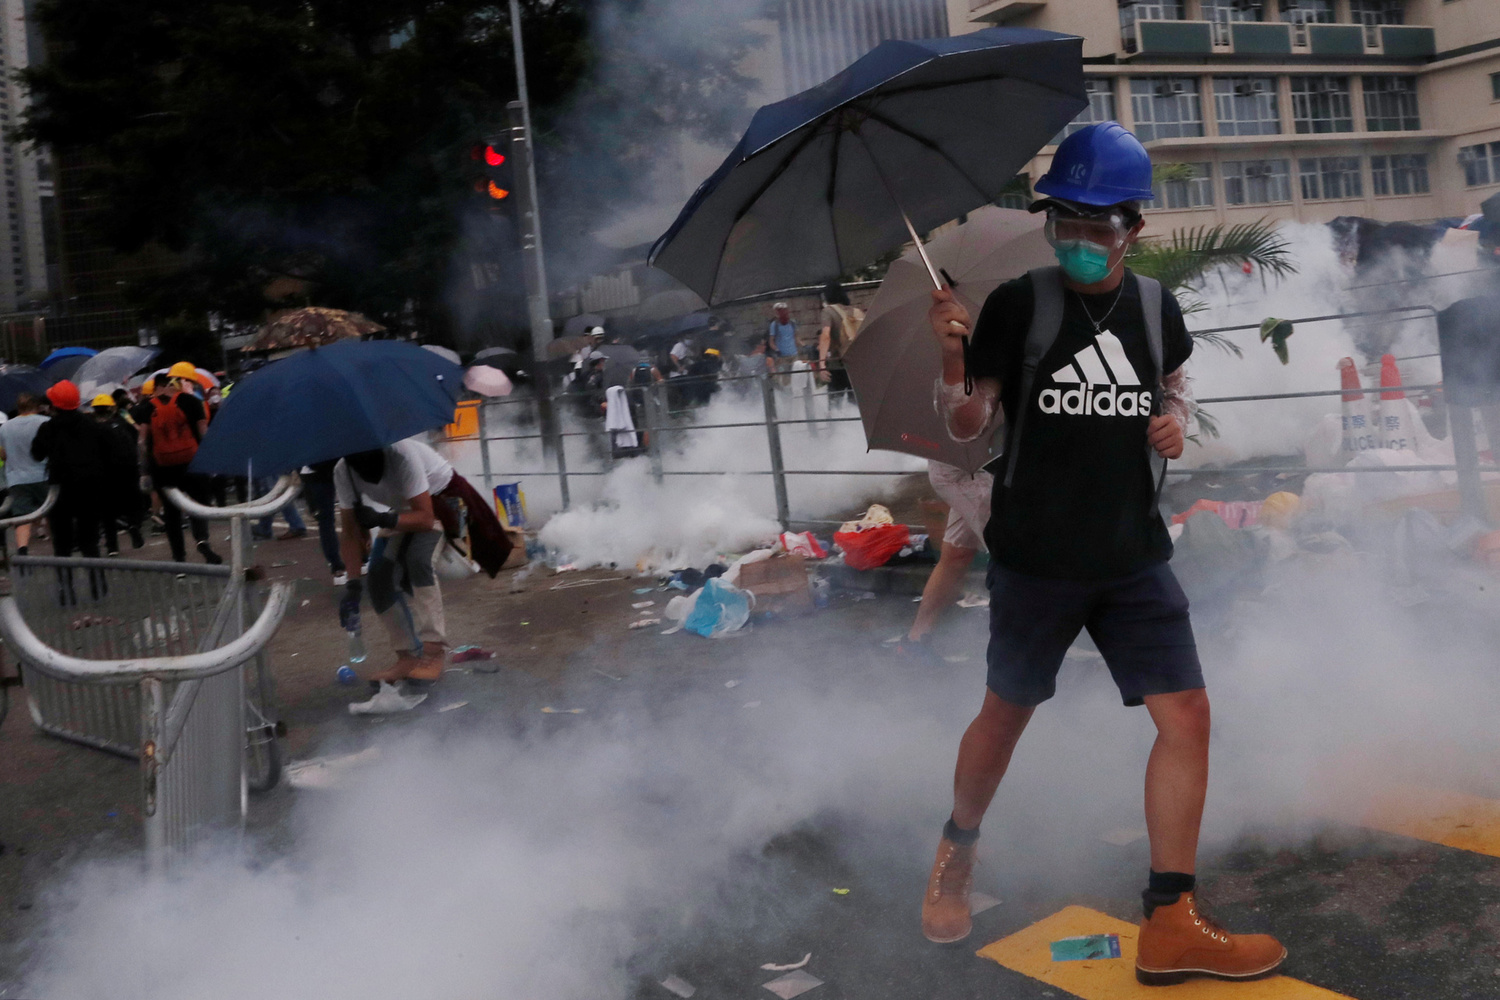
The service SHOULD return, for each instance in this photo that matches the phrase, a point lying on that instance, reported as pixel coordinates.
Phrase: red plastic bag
(872, 547)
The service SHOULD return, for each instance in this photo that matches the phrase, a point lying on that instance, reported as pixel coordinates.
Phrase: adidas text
(1100, 401)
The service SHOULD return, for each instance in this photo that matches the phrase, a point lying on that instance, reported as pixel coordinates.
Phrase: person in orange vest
(173, 426)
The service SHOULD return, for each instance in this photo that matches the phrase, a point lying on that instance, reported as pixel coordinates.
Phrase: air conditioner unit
(1249, 88)
(1171, 88)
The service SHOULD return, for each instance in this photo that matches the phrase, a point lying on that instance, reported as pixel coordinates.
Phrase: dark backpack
(173, 439)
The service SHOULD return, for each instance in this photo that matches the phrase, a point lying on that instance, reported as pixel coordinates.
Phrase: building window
(1132, 11)
(1373, 13)
(1321, 104)
(1166, 107)
(1220, 13)
(1101, 91)
(1246, 105)
(1182, 185)
(1257, 182)
(1391, 104)
(1402, 173)
(1327, 178)
(1481, 164)
(1495, 86)
(1301, 13)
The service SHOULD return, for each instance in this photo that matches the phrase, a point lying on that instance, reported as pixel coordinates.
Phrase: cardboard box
(780, 586)
(517, 557)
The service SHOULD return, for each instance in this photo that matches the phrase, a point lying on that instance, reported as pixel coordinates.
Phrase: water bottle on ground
(346, 675)
(356, 647)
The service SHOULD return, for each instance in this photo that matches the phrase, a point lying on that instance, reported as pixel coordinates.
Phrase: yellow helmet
(183, 369)
(148, 387)
(103, 399)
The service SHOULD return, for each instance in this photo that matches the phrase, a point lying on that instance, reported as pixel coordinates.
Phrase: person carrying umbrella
(121, 499)
(171, 426)
(1086, 362)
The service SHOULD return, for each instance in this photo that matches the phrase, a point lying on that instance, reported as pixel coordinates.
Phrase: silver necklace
(1099, 324)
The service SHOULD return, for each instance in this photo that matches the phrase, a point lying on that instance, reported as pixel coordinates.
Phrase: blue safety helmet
(1098, 165)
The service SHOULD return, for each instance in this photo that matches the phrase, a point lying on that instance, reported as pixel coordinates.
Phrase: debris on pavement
(679, 986)
(451, 706)
(607, 676)
(981, 901)
(773, 967)
(387, 700)
(1087, 946)
(549, 710)
(720, 607)
(871, 541)
(466, 654)
(793, 984)
(974, 601)
(731, 684)
(643, 604)
(842, 892)
(1123, 836)
(326, 772)
(570, 584)
(804, 544)
(645, 590)
(645, 623)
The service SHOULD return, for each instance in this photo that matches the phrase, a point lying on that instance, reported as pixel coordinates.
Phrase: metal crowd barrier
(145, 659)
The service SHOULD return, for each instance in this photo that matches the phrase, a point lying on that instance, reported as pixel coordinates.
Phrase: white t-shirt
(412, 468)
(680, 350)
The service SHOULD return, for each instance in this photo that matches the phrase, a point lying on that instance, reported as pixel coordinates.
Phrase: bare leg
(1177, 778)
(983, 756)
(943, 587)
(23, 535)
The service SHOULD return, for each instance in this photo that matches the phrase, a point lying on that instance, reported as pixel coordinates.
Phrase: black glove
(369, 517)
(349, 605)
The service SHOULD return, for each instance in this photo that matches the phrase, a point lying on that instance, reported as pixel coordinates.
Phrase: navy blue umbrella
(910, 136)
(67, 352)
(16, 379)
(327, 402)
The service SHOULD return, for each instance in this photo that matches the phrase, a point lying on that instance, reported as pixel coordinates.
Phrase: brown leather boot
(429, 669)
(945, 908)
(397, 671)
(1178, 942)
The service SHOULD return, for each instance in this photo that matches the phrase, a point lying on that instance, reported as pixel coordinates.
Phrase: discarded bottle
(346, 675)
(356, 647)
(822, 591)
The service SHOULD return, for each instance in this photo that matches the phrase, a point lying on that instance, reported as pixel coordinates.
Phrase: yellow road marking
(1029, 952)
(1453, 819)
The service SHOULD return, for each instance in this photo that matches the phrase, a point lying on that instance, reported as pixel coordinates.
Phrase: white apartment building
(28, 186)
(1289, 109)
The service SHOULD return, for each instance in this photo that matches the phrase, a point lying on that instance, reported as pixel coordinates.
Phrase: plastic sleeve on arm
(948, 400)
(1177, 397)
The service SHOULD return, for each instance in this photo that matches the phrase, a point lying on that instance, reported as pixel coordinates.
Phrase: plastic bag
(872, 547)
(720, 607)
(804, 545)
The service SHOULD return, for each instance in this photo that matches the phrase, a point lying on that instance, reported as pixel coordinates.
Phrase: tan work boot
(397, 671)
(429, 669)
(1178, 942)
(945, 908)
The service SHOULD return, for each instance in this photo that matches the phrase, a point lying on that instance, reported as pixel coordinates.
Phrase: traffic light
(494, 178)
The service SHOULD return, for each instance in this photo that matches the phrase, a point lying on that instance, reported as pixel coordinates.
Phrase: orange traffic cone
(1357, 436)
(1395, 430)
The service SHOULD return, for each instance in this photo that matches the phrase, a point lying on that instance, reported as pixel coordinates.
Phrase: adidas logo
(1097, 373)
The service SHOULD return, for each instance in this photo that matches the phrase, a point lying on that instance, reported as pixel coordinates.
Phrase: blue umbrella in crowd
(328, 402)
(910, 136)
(16, 379)
(83, 353)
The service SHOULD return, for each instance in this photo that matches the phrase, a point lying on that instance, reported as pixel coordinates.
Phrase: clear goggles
(1106, 231)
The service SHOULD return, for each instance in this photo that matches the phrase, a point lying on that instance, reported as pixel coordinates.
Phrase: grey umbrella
(577, 325)
(895, 359)
(912, 135)
(113, 364)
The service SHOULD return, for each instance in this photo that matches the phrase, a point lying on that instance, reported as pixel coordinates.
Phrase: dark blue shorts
(1139, 623)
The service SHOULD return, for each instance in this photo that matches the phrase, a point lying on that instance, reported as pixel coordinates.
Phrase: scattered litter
(549, 710)
(675, 984)
(387, 700)
(980, 901)
(961, 658)
(863, 595)
(645, 590)
(451, 706)
(526, 623)
(283, 564)
(306, 601)
(1088, 946)
(721, 607)
(841, 892)
(677, 585)
(645, 623)
(570, 584)
(468, 654)
(487, 667)
(752, 704)
(643, 604)
(974, 601)
(345, 675)
(731, 684)
(1123, 836)
(296, 654)
(917, 599)
(772, 967)
(325, 772)
(793, 984)
(610, 676)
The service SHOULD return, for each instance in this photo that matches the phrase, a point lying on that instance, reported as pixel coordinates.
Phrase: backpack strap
(1046, 322)
(1151, 307)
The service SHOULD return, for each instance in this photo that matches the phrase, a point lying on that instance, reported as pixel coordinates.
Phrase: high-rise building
(25, 172)
(1289, 109)
(821, 37)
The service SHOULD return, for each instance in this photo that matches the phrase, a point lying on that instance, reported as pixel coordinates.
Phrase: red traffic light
(493, 157)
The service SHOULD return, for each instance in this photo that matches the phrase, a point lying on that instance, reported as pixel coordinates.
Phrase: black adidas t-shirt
(1081, 504)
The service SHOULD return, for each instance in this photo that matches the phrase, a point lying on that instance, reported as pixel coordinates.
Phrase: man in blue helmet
(1085, 360)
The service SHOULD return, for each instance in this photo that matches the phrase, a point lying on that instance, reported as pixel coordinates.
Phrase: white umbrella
(443, 352)
(487, 381)
(113, 364)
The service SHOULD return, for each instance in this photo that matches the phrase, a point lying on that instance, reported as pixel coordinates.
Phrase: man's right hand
(349, 605)
(949, 319)
(145, 484)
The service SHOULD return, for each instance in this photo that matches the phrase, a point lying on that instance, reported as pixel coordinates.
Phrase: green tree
(235, 143)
